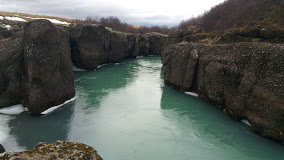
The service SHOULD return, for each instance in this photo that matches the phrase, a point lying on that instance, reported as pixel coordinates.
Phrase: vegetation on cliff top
(236, 13)
(117, 25)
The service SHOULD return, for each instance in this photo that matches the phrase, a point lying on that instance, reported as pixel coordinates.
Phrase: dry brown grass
(25, 15)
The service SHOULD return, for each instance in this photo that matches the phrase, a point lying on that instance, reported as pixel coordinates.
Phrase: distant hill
(236, 13)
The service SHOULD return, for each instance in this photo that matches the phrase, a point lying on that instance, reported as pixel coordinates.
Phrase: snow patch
(15, 19)
(8, 27)
(49, 110)
(4, 129)
(52, 20)
(246, 122)
(1, 17)
(12, 110)
(192, 94)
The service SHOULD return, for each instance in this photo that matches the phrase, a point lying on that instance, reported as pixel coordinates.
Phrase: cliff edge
(245, 79)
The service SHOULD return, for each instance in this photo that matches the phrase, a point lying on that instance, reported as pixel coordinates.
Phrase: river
(127, 113)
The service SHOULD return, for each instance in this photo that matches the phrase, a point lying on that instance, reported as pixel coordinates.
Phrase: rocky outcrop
(36, 70)
(90, 45)
(179, 63)
(93, 45)
(246, 79)
(11, 64)
(151, 44)
(48, 75)
(256, 34)
(2, 149)
(121, 46)
(57, 150)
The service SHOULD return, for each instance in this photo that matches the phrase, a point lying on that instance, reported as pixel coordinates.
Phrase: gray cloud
(145, 14)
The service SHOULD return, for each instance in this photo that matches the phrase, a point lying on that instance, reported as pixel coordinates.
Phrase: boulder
(57, 150)
(244, 78)
(48, 76)
(90, 45)
(121, 46)
(151, 44)
(36, 70)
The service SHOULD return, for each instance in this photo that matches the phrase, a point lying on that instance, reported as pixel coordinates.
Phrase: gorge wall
(36, 62)
(93, 45)
(36, 69)
(245, 79)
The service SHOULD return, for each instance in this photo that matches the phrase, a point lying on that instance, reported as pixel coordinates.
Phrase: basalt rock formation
(93, 45)
(57, 150)
(245, 79)
(36, 69)
(36, 66)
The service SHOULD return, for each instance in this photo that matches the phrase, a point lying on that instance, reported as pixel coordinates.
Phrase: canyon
(244, 78)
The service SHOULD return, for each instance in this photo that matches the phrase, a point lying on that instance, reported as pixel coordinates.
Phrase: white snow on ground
(57, 21)
(15, 19)
(78, 69)
(8, 27)
(192, 94)
(52, 20)
(246, 122)
(49, 110)
(4, 129)
(1, 17)
(12, 110)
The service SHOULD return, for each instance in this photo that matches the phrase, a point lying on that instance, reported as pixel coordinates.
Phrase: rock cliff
(246, 79)
(93, 45)
(36, 69)
(57, 150)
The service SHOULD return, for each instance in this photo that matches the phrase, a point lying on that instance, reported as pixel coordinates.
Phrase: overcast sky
(139, 12)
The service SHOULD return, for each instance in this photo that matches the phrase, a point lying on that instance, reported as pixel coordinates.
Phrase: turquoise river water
(127, 113)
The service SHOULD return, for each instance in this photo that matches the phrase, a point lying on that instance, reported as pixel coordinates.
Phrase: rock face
(93, 45)
(36, 70)
(151, 44)
(121, 46)
(57, 150)
(244, 78)
(179, 63)
(11, 64)
(2, 149)
(248, 34)
(90, 45)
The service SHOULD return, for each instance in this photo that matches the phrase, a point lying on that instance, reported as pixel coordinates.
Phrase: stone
(56, 150)
(90, 45)
(47, 78)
